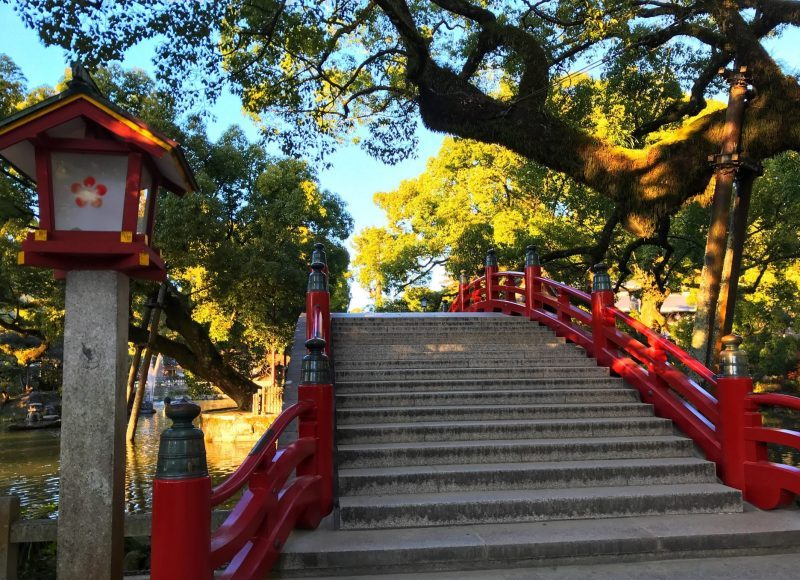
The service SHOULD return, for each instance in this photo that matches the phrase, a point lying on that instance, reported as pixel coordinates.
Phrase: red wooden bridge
(282, 489)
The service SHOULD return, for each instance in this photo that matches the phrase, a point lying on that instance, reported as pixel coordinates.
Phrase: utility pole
(725, 167)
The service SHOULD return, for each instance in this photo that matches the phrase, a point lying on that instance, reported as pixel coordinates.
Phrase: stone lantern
(97, 171)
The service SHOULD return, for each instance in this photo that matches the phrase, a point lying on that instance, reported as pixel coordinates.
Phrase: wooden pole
(148, 355)
(137, 356)
(733, 255)
(716, 242)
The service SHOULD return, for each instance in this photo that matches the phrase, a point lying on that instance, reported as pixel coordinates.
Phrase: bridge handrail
(262, 452)
(727, 427)
(272, 505)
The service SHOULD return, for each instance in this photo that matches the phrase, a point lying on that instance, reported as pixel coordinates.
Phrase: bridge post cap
(318, 254)
(463, 278)
(182, 449)
(315, 368)
(182, 413)
(316, 279)
(733, 360)
(315, 343)
(602, 280)
(531, 256)
(491, 257)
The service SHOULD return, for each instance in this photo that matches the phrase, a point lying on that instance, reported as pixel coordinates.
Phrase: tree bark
(198, 355)
(155, 320)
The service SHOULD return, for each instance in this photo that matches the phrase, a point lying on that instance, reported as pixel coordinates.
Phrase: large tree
(236, 250)
(324, 68)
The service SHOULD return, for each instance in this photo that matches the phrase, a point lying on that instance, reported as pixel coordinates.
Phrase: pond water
(29, 462)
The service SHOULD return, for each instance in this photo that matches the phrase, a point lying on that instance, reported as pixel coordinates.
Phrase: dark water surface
(29, 463)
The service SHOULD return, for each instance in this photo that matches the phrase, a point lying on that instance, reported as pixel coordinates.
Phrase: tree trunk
(198, 355)
(155, 319)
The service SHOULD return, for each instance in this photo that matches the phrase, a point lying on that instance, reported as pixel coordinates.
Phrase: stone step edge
(508, 423)
(443, 469)
(537, 544)
(568, 441)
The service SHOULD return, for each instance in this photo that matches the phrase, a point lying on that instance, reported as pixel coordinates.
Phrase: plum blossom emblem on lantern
(89, 192)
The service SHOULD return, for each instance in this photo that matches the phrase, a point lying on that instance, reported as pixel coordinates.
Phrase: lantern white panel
(89, 191)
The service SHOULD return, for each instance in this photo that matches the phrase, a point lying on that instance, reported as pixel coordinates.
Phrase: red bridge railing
(281, 488)
(728, 427)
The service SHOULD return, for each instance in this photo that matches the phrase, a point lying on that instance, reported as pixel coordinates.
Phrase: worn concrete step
(509, 451)
(348, 387)
(438, 331)
(441, 431)
(542, 475)
(418, 399)
(485, 549)
(506, 506)
(455, 337)
(489, 412)
(396, 351)
(450, 372)
(472, 360)
(466, 319)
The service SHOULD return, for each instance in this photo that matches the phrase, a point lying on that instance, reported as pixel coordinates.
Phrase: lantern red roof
(67, 116)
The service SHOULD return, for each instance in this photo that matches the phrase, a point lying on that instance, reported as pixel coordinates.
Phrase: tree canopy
(319, 72)
(237, 250)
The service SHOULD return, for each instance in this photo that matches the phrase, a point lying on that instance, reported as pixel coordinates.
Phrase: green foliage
(238, 248)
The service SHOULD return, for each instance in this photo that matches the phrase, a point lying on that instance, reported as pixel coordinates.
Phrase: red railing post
(491, 271)
(602, 296)
(533, 287)
(733, 386)
(462, 292)
(316, 386)
(318, 300)
(181, 525)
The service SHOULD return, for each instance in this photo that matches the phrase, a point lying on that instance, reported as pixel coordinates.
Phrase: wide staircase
(480, 440)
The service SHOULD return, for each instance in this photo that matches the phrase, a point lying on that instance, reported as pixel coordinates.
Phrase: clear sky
(353, 174)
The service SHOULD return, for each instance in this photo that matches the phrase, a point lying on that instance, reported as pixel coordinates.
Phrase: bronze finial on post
(601, 280)
(531, 257)
(733, 361)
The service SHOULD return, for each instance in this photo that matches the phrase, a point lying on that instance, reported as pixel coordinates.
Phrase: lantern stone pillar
(92, 474)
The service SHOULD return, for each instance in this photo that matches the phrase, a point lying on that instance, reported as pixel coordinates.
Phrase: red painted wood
(131, 204)
(728, 430)
(45, 189)
(775, 399)
(181, 529)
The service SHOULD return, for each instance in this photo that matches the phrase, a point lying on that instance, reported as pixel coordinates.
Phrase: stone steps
(396, 454)
(489, 550)
(471, 424)
(483, 398)
(475, 384)
(420, 479)
(470, 360)
(444, 431)
(366, 352)
(488, 374)
(531, 505)
(491, 412)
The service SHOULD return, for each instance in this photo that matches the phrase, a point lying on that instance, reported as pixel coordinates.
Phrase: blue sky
(353, 174)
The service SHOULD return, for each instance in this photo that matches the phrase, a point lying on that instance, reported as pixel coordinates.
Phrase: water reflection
(29, 464)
